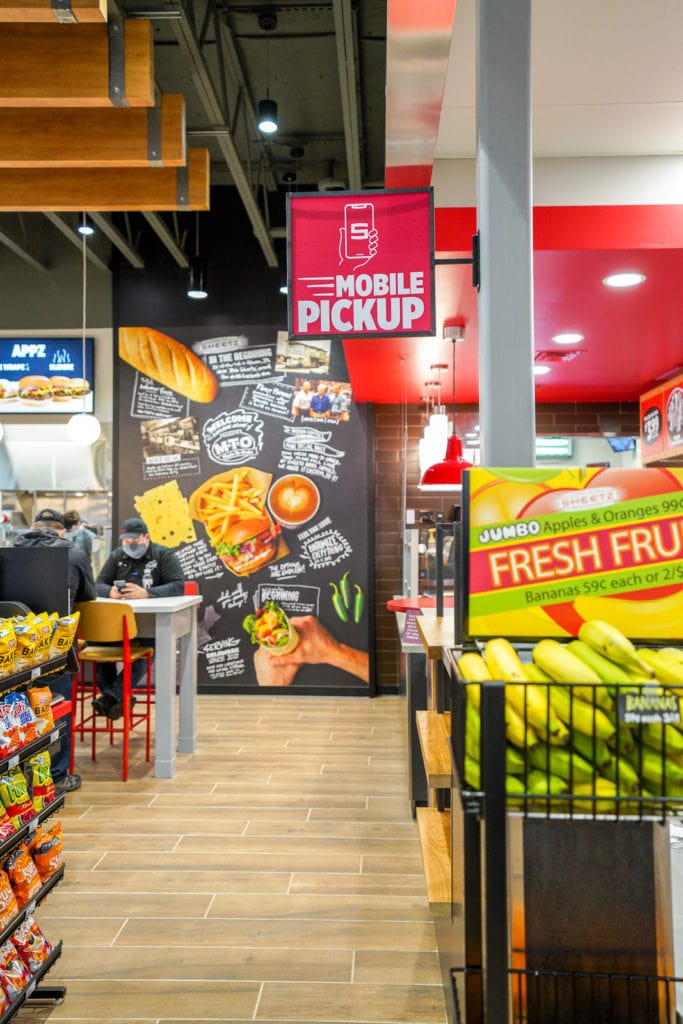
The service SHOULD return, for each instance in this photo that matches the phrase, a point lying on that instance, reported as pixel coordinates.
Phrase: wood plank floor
(276, 878)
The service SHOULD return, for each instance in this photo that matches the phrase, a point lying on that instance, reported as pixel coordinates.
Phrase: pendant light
(446, 475)
(83, 428)
(267, 108)
(197, 287)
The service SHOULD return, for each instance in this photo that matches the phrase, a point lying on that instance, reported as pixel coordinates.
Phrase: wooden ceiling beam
(94, 137)
(50, 11)
(108, 189)
(68, 66)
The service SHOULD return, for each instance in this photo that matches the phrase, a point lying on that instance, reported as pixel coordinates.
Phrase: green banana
(608, 670)
(592, 748)
(472, 772)
(513, 785)
(579, 715)
(515, 763)
(657, 770)
(662, 737)
(564, 666)
(623, 774)
(623, 742)
(566, 764)
(541, 783)
(472, 732)
(665, 669)
(610, 641)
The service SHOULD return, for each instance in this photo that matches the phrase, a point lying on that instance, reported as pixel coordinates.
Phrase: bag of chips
(40, 779)
(23, 875)
(14, 796)
(63, 634)
(14, 974)
(9, 908)
(46, 850)
(31, 944)
(8, 647)
(9, 733)
(7, 829)
(26, 636)
(22, 715)
(43, 624)
(40, 699)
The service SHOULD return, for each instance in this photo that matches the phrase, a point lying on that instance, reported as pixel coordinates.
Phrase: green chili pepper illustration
(338, 603)
(358, 603)
(345, 589)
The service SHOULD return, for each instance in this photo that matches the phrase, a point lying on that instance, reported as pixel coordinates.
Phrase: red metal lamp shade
(446, 475)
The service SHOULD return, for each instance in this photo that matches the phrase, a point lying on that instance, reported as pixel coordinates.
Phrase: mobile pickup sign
(361, 264)
(549, 549)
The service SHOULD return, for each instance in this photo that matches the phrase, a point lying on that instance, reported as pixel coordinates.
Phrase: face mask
(135, 550)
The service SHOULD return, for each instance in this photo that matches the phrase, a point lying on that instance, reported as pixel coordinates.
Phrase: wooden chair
(105, 632)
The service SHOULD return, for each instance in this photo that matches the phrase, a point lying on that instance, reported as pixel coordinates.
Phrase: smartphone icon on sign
(359, 221)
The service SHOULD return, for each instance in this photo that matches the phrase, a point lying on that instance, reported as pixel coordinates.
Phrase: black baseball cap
(49, 517)
(133, 527)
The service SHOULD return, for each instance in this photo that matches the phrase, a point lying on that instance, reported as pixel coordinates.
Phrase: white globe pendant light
(83, 428)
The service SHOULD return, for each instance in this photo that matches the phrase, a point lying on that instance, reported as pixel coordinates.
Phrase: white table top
(159, 604)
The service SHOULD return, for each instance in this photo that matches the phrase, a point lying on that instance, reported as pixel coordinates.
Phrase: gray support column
(504, 211)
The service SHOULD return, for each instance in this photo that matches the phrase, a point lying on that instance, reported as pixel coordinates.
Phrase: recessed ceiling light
(627, 279)
(539, 371)
(568, 338)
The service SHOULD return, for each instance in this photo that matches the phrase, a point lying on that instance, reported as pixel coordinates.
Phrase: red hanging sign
(361, 264)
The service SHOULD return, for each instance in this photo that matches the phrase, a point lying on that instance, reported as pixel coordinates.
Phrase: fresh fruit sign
(551, 549)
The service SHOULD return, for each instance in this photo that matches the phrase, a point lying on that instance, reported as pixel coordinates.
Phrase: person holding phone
(137, 569)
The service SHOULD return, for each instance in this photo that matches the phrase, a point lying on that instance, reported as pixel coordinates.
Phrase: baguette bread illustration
(167, 361)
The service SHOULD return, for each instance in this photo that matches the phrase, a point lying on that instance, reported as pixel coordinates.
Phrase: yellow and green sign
(548, 549)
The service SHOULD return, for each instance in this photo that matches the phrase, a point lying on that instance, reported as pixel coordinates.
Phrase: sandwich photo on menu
(232, 508)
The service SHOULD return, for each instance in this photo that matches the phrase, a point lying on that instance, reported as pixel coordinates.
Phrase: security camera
(453, 332)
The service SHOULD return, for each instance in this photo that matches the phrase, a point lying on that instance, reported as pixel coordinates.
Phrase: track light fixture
(196, 288)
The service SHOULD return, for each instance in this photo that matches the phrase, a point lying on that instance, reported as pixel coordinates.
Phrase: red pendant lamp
(447, 474)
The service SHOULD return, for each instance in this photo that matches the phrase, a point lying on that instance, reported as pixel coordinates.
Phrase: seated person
(145, 569)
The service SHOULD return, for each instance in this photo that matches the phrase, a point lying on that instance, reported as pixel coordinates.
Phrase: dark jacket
(158, 571)
(81, 582)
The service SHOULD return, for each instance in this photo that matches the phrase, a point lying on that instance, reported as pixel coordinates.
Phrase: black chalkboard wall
(178, 457)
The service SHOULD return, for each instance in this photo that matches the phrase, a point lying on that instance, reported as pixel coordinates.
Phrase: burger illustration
(34, 390)
(248, 545)
(66, 388)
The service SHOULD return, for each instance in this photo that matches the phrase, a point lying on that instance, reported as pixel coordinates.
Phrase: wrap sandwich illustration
(269, 627)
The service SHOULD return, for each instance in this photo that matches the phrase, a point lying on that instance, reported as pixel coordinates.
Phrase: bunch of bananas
(566, 748)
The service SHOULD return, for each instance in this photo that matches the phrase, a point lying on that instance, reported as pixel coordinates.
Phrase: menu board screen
(46, 375)
(248, 456)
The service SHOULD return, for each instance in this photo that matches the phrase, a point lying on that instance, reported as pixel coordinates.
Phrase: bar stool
(105, 632)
